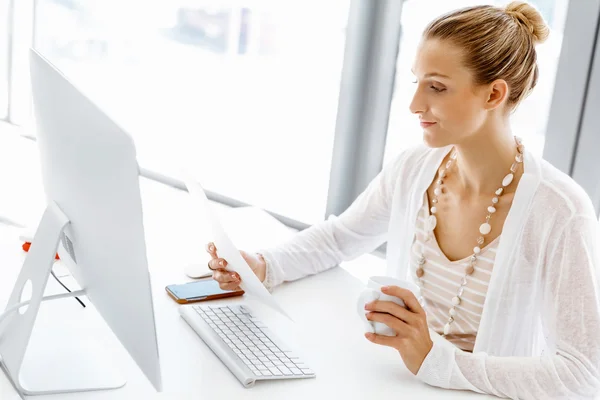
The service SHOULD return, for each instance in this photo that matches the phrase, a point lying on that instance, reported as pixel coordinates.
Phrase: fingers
(217, 263)
(392, 308)
(407, 296)
(211, 249)
(400, 327)
(381, 339)
(227, 280)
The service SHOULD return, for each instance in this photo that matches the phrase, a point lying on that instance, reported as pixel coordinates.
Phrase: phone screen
(208, 287)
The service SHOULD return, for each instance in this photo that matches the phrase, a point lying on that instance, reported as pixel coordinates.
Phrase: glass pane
(528, 122)
(20, 88)
(243, 93)
(4, 58)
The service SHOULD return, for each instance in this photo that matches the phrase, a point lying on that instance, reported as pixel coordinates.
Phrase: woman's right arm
(360, 229)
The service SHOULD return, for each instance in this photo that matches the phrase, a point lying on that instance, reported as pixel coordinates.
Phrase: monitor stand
(48, 360)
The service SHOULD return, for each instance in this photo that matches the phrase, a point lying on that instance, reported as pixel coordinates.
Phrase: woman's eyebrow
(431, 74)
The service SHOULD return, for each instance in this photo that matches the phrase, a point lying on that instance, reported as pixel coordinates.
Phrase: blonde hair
(498, 43)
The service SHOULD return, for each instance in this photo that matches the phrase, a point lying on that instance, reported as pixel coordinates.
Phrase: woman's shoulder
(559, 192)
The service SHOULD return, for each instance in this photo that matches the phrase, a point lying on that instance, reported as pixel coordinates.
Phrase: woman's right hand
(229, 280)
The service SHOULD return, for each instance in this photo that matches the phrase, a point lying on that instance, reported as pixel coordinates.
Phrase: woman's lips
(426, 124)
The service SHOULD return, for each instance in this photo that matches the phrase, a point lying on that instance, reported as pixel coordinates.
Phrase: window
(242, 94)
(4, 57)
(528, 122)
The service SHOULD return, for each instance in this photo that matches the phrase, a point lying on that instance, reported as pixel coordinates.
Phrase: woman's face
(450, 107)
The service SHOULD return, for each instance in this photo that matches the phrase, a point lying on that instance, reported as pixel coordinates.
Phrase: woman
(503, 245)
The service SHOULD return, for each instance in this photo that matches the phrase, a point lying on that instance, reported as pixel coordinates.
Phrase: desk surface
(326, 330)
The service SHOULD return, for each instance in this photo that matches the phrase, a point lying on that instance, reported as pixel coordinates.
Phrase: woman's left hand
(412, 338)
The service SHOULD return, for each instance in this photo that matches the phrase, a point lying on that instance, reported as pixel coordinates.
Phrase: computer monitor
(94, 221)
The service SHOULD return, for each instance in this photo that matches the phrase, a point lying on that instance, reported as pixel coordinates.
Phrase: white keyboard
(244, 344)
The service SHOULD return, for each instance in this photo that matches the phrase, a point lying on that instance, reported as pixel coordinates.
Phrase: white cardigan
(539, 335)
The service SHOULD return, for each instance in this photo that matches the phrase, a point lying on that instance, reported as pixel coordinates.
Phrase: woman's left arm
(571, 320)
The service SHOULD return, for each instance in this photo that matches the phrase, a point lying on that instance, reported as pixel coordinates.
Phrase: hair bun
(528, 16)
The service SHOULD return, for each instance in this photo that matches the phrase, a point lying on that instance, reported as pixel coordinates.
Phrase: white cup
(373, 292)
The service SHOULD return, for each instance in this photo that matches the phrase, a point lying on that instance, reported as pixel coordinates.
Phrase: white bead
(437, 191)
(452, 311)
(499, 191)
(464, 281)
(431, 222)
(495, 200)
(461, 290)
(476, 250)
(519, 158)
(492, 209)
(442, 173)
(485, 228)
(433, 210)
(507, 180)
(456, 300)
(446, 329)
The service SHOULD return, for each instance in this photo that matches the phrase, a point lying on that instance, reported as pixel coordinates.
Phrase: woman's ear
(497, 94)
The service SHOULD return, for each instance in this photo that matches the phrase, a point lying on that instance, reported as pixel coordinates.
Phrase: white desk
(326, 332)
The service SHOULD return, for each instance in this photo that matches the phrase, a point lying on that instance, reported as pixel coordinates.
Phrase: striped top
(442, 280)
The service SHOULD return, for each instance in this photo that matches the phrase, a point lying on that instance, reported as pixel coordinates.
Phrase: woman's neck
(483, 161)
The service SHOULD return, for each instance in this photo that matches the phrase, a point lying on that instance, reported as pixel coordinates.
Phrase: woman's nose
(417, 105)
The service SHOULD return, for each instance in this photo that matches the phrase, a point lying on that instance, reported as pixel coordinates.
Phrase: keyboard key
(296, 371)
(307, 371)
(268, 364)
(285, 370)
(275, 371)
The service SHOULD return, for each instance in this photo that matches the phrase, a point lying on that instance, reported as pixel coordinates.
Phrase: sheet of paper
(227, 250)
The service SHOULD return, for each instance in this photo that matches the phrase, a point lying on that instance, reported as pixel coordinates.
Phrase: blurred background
(291, 106)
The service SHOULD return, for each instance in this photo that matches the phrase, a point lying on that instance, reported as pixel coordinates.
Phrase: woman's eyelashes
(436, 89)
